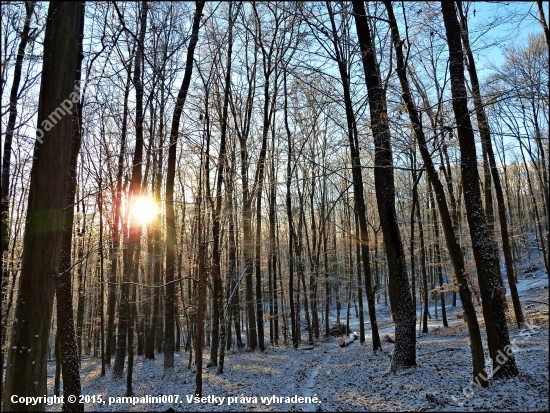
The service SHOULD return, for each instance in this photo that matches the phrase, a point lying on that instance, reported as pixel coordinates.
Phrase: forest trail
(309, 387)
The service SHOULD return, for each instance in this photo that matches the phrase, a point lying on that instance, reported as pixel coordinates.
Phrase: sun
(144, 209)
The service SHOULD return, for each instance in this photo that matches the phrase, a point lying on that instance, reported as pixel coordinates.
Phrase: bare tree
(26, 372)
(486, 138)
(402, 307)
(170, 221)
(453, 246)
(6, 162)
(493, 306)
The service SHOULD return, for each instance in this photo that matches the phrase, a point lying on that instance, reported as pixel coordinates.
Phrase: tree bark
(493, 307)
(400, 294)
(485, 134)
(27, 359)
(454, 249)
(70, 361)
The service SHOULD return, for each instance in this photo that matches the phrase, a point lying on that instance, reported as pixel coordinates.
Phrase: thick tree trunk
(486, 138)
(66, 338)
(493, 306)
(26, 371)
(400, 294)
(259, 182)
(454, 249)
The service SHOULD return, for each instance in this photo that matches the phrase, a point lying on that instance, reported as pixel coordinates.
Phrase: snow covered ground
(350, 378)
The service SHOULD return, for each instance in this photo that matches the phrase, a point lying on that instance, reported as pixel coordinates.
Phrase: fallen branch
(346, 342)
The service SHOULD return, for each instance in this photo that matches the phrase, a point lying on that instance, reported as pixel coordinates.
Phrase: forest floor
(350, 378)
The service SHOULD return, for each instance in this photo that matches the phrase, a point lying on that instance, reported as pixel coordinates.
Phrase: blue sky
(518, 20)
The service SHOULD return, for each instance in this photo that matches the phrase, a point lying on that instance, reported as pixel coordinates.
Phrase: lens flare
(144, 210)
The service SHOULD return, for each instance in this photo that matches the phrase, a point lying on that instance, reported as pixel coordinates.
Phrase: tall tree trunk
(243, 130)
(233, 293)
(416, 180)
(291, 235)
(70, 361)
(400, 294)
(157, 264)
(154, 247)
(493, 306)
(485, 133)
(81, 275)
(101, 279)
(26, 371)
(359, 199)
(544, 25)
(315, 244)
(6, 162)
(216, 212)
(326, 267)
(454, 249)
(170, 222)
(268, 66)
(272, 254)
(132, 240)
(298, 248)
(112, 278)
(131, 309)
(359, 282)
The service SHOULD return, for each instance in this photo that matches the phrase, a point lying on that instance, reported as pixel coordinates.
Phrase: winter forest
(275, 206)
